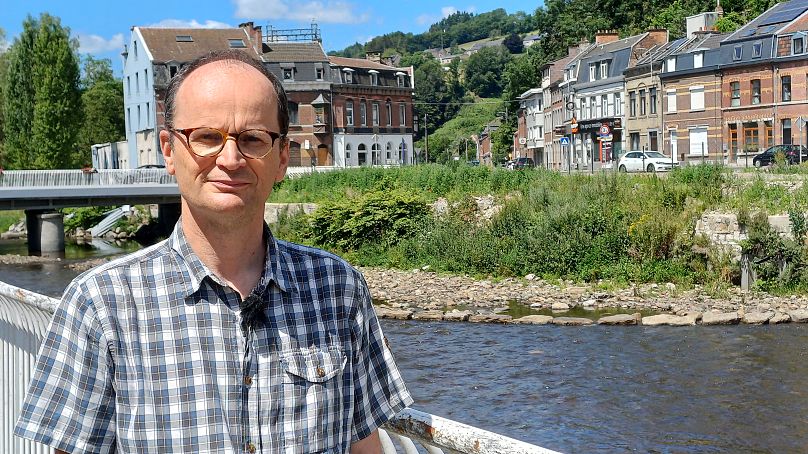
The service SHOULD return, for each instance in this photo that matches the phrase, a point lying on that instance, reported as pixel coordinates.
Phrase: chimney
(658, 36)
(606, 36)
(373, 56)
(253, 32)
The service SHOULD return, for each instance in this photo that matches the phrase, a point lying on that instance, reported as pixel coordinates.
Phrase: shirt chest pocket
(314, 409)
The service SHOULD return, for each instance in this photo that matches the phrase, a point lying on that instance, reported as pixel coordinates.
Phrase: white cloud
(447, 11)
(193, 23)
(426, 19)
(94, 44)
(330, 11)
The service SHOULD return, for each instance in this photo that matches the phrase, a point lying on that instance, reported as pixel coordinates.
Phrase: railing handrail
(432, 432)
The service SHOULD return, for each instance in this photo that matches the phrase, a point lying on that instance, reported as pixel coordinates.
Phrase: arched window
(376, 152)
(362, 154)
(388, 153)
(347, 154)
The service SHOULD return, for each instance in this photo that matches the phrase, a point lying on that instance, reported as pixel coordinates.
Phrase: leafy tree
(483, 71)
(103, 118)
(3, 71)
(57, 102)
(513, 43)
(95, 71)
(523, 73)
(729, 23)
(18, 102)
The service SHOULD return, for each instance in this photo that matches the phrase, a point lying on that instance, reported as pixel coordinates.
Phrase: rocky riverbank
(423, 295)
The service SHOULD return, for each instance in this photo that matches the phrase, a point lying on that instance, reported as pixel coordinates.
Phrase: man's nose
(230, 155)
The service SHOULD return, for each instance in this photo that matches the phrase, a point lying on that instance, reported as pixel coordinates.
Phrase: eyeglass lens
(254, 143)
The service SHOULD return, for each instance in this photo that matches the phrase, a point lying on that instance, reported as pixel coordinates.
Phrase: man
(221, 338)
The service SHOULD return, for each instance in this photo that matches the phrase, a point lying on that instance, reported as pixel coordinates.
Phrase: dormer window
(797, 44)
(236, 43)
(737, 53)
(374, 77)
(348, 74)
(757, 49)
(591, 72)
(698, 59)
(288, 71)
(670, 65)
(184, 38)
(319, 73)
(604, 69)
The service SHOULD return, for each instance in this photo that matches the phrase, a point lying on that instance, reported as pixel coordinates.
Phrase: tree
(95, 71)
(57, 102)
(3, 71)
(523, 73)
(483, 71)
(513, 43)
(103, 118)
(18, 102)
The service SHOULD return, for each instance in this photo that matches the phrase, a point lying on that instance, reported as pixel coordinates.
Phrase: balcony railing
(24, 318)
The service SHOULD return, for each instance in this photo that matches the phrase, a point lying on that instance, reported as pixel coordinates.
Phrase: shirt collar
(276, 264)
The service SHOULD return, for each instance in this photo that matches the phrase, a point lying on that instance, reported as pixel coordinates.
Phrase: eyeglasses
(251, 143)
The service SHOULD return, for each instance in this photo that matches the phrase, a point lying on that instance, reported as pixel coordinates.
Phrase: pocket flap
(315, 364)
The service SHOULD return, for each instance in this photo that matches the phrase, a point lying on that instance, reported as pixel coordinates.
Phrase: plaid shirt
(148, 354)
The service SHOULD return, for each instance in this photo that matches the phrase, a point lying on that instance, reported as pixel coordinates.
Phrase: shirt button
(248, 380)
(320, 371)
(250, 448)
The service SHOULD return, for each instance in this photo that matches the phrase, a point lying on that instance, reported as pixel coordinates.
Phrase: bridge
(41, 193)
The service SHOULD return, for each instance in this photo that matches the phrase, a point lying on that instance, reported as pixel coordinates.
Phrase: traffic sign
(564, 140)
(604, 130)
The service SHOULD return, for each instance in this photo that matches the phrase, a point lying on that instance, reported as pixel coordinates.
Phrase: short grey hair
(226, 55)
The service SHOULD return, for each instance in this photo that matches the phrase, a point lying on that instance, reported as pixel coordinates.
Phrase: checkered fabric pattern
(147, 354)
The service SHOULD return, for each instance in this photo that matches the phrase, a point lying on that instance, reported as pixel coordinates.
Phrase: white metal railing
(24, 318)
(104, 177)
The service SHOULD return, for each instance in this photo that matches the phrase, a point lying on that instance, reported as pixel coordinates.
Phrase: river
(593, 389)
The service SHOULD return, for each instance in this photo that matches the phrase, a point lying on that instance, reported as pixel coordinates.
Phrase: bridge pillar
(46, 232)
(167, 216)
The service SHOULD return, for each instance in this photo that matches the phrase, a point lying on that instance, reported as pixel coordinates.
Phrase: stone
(589, 303)
(530, 277)
(393, 313)
(668, 319)
(670, 286)
(533, 320)
(457, 316)
(799, 316)
(620, 319)
(428, 315)
(757, 318)
(490, 318)
(560, 307)
(720, 318)
(571, 321)
(779, 317)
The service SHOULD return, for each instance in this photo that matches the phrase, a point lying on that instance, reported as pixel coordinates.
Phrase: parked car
(791, 153)
(523, 163)
(474, 162)
(648, 161)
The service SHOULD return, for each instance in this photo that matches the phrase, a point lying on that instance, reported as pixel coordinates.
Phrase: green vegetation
(8, 218)
(609, 227)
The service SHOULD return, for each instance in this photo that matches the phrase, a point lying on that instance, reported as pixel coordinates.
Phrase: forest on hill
(505, 72)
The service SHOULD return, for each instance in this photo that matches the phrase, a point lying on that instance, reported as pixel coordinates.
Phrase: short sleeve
(70, 403)
(379, 390)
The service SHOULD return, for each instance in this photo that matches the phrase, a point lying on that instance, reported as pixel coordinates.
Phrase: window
(755, 84)
(634, 139)
(388, 110)
(128, 86)
(148, 113)
(293, 113)
(402, 114)
(319, 115)
(172, 70)
(750, 137)
(596, 107)
(348, 77)
(652, 99)
(757, 49)
(737, 53)
(769, 133)
(137, 82)
(588, 108)
(146, 79)
(374, 78)
(735, 90)
(632, 104)
(363, 113)
(318, 73)
(643, 110)
(698, 59)
(138, 117)
(236, 43)
(347, 153)
(733, 139)
(797, 45)
(671, 64)
(134, 47)
(375, 114)
(591, 71)
(787, 131)
(671, 100)
(604, 106)
(618, 104)
(400, 79)
(288, 74)
(129, 119)
(389, 150)
(785, 82)
(184, 38)
(349, 113)
(604, 69)
(653, 140)
(697, 98)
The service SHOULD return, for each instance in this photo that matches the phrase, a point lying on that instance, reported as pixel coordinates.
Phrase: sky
(104, 26)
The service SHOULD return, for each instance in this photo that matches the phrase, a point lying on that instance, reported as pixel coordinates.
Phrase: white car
(648, 161)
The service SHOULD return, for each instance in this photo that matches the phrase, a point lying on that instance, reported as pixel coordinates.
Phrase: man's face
(231, 97)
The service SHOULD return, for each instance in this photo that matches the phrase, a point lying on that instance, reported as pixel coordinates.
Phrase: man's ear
(165, 147)
(283, 160)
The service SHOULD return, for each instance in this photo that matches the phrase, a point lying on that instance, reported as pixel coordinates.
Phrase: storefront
(599, 141)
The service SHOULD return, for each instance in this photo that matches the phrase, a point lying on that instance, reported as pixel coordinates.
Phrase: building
(530, 142)
(322, 93)
(762, 63)
(598, 95)
(643, 119)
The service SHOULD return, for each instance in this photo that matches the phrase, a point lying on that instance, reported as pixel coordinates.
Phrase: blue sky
(103, 26)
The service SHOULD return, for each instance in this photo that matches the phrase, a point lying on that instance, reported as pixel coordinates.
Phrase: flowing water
(591, 389)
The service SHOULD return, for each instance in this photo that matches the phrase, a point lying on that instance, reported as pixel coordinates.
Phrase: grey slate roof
(770, 21)
(298, 52)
